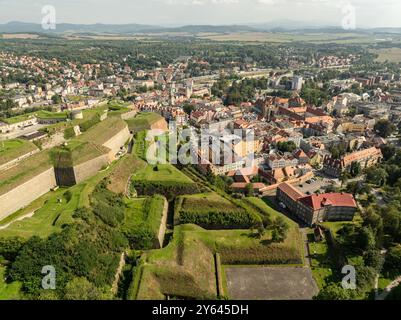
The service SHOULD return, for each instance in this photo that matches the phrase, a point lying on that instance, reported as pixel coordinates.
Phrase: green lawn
(322, 266)
(43, 114)
(75, 153)
(8, 291)
(141, 145)
(264, 206)
(103, 131)
(165, 173)
(144, 210)
(336, 226)
(24, 171)
(12, 149)
(206, 202)
(143, 121)
(17, 119)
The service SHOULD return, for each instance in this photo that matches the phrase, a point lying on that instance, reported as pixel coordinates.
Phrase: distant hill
(17, 27)
(127, 29)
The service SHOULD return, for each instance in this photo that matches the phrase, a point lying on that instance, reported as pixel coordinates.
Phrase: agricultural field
(388, 54)
(12, 149)
(143, 121)
(281, 37)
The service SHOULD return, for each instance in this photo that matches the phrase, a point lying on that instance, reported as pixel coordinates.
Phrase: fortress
(68, 165)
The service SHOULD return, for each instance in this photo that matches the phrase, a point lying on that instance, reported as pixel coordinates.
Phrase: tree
(335, 292)
(10, 247)
(355, 169)
(286, 146)
(376, 176)
(81, 289)
(140, 238)
(249, 190)
(384, 128)
(388, 150)
(373, 258)
(279, 229)
(188, 109)
(56, 99)
(365, 278)
(393, 259)
(365, 239)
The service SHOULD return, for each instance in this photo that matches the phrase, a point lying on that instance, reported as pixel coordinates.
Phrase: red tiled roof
(318, 201)
(291, 191)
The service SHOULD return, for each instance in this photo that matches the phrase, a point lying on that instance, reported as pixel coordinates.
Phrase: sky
(368, 13)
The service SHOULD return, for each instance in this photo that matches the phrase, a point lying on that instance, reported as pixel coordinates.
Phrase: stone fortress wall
(14, 162)
(26, 193)
(90, 168)
(116, 142)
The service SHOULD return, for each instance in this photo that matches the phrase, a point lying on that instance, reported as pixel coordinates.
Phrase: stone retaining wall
(27, 192)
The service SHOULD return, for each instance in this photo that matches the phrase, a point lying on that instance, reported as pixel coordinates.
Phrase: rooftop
(319, 201)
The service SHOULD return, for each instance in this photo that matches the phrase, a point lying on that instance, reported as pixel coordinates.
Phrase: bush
(219, 219)
(69, 133)
(167, 189)
(140, 238)
(10, 247)
(85, 126)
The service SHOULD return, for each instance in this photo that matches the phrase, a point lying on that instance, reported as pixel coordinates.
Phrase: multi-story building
(366, 158)
(317, 208)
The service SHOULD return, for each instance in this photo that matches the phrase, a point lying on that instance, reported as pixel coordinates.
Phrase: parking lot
(320, 184)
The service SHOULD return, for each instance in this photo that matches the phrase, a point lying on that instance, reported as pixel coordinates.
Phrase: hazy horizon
(369, 13)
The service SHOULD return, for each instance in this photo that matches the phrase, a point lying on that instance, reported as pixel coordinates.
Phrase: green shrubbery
(219, 219)
(271, 254)
(69, 133)
(168, 189)
(85, 126)
(85, 254)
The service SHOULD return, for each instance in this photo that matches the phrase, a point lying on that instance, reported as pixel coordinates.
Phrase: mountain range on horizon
(101, 28)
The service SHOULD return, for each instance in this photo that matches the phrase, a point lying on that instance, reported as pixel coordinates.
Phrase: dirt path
(119, 271)
(29, 215)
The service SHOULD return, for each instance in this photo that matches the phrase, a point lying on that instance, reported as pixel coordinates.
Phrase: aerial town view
(226, 150)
